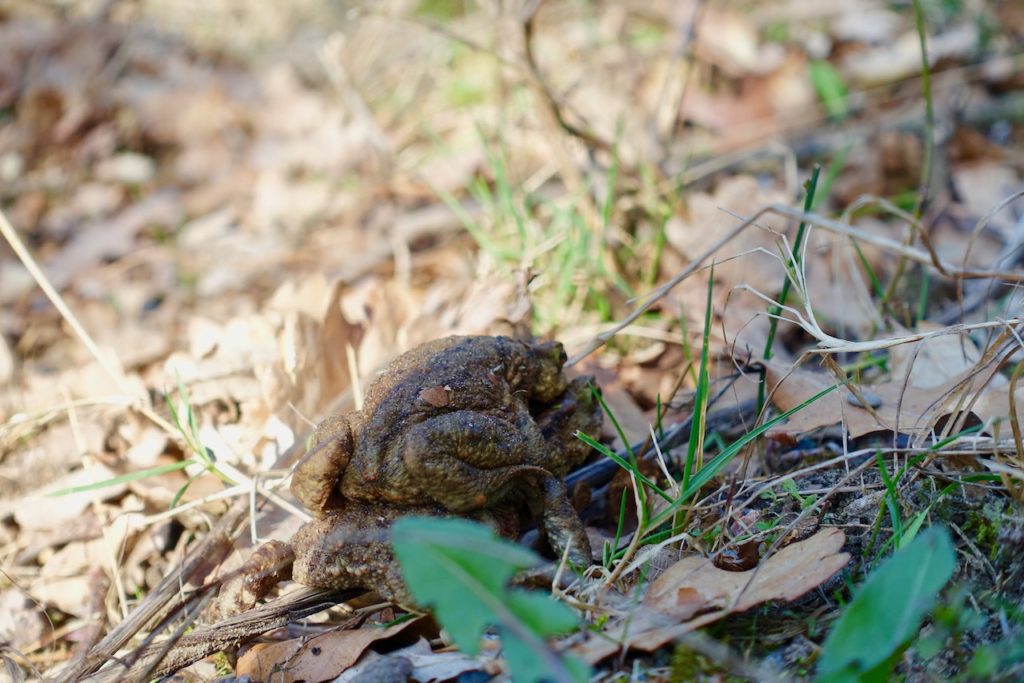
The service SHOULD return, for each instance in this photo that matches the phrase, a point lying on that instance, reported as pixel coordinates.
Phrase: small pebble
(873, 400)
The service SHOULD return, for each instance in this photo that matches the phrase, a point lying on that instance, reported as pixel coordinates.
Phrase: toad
(464, 423)
(349, 547)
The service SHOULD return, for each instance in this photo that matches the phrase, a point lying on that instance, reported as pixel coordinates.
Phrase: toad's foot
(268, 565)
(351, 548)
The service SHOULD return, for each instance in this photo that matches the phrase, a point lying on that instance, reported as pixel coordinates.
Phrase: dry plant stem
(602, 339)
(929, 149)
(26, 258)
(994, 358)
(684, 55)
(1015, 488)
(147, 666)
(979, 556)
(634, 543)
(805, 135)
(920, 256)
(553, 107)
(101, 513)
(218, 540)
(204, 641)
(554, 120)
(96, 618)
(651, 550)
(1007, 249)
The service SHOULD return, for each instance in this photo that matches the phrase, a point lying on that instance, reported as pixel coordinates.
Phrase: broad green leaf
(886, 612)
(531, 661)
(461, 569)
(540, 613)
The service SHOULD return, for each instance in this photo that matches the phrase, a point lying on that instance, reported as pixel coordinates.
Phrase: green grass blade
(713, 467)
(700, 407)
(622, 462)
(123, 479)
(811, 187)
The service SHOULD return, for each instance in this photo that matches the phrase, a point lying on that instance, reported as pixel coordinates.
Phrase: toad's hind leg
(316, 475)
(562, 525)
(469, 461)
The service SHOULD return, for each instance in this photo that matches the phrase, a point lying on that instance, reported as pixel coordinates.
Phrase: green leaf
(886, 612)
(542, 614)
(829, 86)
(461, 570)
(531, 661)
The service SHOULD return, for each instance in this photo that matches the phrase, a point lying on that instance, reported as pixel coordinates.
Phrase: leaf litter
(271, 235)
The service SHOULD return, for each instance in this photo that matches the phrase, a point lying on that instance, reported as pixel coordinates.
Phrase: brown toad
(467, 423)
(348, 548)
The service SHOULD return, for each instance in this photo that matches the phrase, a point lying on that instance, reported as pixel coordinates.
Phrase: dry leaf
(102, 240)
(694, 592)
(910, 409)
(982, 186)
(730, 39)
(21, 620)
(319, 658)
(872, 25)
(694, 584)
(936, 360)
(901, 57)
(6, 362)
(426, 664)
(68, 594)
(39, 512)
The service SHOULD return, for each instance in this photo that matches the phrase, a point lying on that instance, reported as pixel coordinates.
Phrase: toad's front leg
(317, 474)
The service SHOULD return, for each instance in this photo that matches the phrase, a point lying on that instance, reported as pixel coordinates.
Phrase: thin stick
(115, 373)
(919, 255)
(23, 254)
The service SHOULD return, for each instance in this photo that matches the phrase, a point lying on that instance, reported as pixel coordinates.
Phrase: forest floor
(784, 238)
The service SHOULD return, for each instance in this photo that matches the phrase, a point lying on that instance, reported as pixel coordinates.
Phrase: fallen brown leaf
(426, 664)
(933, 361)
(694, 592)
(695, 584)
(320, 658)
(892, 406)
